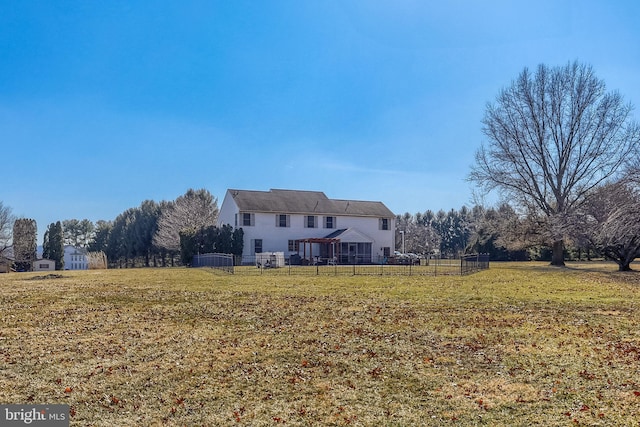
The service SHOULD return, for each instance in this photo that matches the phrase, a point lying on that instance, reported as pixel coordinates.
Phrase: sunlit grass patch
(519, 344)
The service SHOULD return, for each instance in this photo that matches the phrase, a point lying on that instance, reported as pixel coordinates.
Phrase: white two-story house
(75, 258)
(309, 226)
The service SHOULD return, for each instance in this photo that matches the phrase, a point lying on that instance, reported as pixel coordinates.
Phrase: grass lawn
(520, 344)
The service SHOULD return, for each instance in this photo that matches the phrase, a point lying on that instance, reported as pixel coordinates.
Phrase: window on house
(294, 246)
(329, 222)
(257, 246)
(282, 220)
(311, 221)
(384, 223)
(247, 219)
(386, 251)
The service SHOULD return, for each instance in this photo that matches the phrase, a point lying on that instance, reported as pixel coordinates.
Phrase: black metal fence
(387, 267)
(224, 262)
(472, 263)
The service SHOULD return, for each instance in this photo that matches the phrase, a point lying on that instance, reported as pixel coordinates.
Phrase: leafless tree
(97, 260)
(195, 210)
(611, 222)
(6, 228)
(632, 173)
(552, 138)
(419, 235)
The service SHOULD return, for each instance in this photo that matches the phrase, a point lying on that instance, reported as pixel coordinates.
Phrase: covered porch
(345, 246)
(327, 250)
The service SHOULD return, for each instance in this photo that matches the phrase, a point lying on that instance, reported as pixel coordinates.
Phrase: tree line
(165, 233)
(607, 225)
(561, 150)
(152, 234)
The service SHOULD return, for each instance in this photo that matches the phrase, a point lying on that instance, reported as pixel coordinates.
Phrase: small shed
(44, 265)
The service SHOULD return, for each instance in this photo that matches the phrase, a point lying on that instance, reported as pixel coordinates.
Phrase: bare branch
(553, 137)
(193, 210)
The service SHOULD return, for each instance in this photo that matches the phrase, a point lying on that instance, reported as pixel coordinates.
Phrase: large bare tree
(552, 137)
(6, 228)
(194, 210)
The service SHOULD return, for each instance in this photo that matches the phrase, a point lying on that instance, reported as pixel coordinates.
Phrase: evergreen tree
(56, 245)
(120, 246)
(46, 247)
(188, 245)
(24, 243)
(77, 233)
(237, 242)
(101, 236)
(53, 244)
(144, 227)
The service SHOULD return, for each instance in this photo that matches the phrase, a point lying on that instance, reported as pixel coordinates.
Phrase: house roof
(72, 250)
(349, 235)
(305, 202)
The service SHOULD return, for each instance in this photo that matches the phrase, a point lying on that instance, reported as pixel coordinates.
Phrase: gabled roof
(305, 202)
(72, 250)
(350, 235)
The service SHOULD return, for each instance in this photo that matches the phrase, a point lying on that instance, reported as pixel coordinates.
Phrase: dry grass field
(520, 344)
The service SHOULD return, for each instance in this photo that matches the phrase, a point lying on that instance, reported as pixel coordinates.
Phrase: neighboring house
(44, 265)
(75, 258)
(309, 226)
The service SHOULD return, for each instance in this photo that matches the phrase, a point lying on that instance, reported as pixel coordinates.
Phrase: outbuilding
(44, 265)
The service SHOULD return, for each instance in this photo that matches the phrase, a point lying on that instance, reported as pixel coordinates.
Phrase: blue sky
(106, 104)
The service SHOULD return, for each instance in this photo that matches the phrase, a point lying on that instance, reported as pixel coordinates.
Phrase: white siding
(276, 239)
(75, 259)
